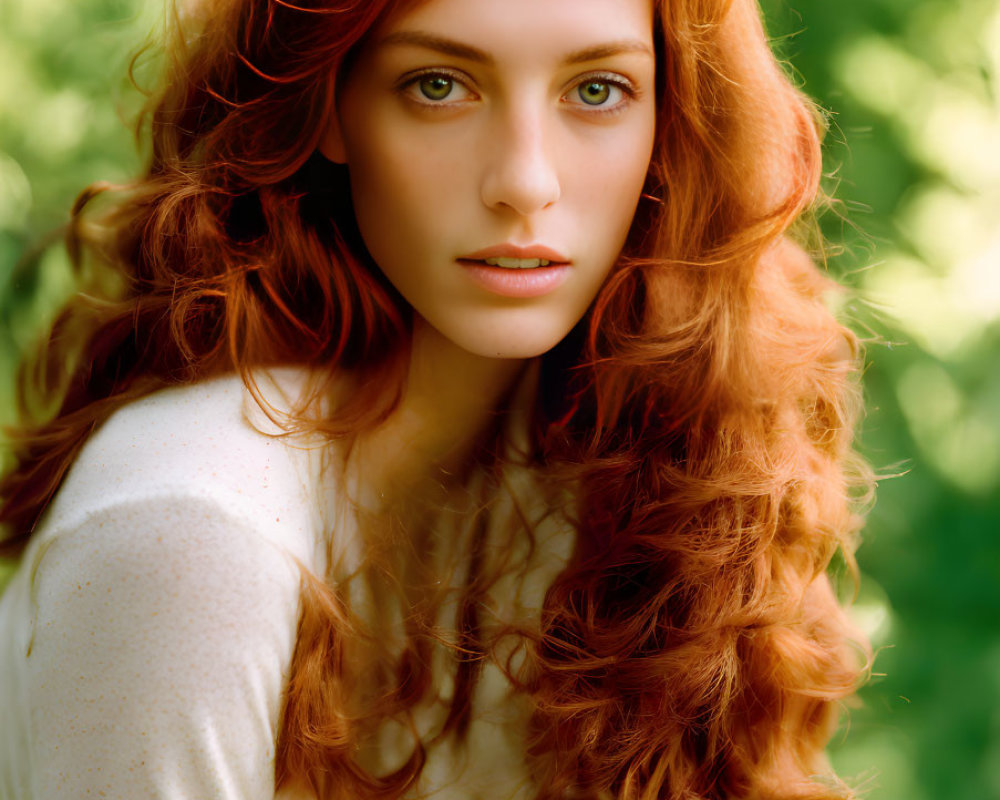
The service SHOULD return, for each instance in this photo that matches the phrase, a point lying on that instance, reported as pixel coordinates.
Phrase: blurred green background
(913, 155)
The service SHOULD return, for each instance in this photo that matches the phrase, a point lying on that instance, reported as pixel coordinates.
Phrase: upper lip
(508, 250)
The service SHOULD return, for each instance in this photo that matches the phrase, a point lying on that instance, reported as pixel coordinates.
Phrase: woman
(447, 414)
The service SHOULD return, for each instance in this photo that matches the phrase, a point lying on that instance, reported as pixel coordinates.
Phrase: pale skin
(473, 125)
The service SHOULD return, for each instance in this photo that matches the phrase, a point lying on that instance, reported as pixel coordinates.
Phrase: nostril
(524, 189)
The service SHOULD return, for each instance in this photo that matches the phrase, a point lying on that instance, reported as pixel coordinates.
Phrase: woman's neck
(450, 398)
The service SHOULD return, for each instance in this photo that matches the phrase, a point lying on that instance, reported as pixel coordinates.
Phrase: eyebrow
(451, 47)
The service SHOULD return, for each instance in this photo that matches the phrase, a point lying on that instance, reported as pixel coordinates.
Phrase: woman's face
(496, 151)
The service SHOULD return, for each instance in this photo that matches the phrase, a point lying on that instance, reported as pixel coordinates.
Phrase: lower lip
(532, 282)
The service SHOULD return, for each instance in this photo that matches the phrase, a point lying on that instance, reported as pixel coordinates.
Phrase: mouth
(511, 256)
(516, 263)
(516, 282)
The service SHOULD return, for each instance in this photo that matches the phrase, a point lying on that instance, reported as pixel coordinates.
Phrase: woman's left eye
(600, 92)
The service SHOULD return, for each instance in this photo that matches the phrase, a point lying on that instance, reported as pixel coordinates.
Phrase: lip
(508, 250)
(517, 283)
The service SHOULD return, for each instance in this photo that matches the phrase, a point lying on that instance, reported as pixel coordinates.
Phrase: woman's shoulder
(203, 448)
(157, 604)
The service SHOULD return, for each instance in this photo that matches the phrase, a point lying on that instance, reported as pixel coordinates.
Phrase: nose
(521, 174)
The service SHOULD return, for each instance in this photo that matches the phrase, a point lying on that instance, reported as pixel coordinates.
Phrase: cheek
(607, 182)
(405, 191)
(611, 164)
(383, 190)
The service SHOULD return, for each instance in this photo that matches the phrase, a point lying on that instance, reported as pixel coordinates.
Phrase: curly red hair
(701, 413)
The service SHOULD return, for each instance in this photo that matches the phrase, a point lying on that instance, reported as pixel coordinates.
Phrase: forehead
(496, 26)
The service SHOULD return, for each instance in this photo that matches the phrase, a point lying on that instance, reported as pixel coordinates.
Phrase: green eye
(436, 87)
(594, 93)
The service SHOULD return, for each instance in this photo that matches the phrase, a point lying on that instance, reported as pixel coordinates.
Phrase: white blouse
(145, 639)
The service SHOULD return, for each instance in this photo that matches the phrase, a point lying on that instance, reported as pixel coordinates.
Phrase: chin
(517, 345)
(518, 332)
(508, 353)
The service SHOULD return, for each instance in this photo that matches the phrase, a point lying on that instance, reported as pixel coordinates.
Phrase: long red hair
(701, 413)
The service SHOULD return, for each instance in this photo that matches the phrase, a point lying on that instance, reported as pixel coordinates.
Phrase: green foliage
(913, 155)
(64, 95)
(914, 160)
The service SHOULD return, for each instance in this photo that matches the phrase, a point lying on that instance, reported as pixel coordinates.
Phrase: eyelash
(409, 84)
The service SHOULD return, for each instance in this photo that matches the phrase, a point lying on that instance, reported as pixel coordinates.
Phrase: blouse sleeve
(162, 636)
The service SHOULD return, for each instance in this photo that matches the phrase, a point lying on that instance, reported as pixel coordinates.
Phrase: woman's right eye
(436, 89)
